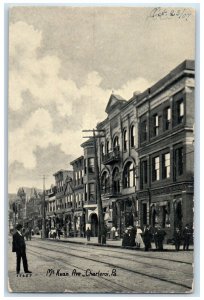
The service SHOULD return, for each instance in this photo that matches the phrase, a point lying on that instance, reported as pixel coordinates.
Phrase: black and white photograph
(101, 122)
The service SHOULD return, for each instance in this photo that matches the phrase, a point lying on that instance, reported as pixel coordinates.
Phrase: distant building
(62, 198)
(90, 200)
(78, 194)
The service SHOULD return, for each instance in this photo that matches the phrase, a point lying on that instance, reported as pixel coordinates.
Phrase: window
(166, 165)
(85, 192)
(144, 213)
(105, 182)
(125, 141)
(102, 150)
(91, 192)
(91, 165)
(179, 161)
(107, 146)
(143, 179)
(180, 111)
(132, 136)
(143, 135)
(79, 200)
(116, 181)
(85, 166)
(167, 118)
(116, 143)
(155, 168)
(155, 125)
(129, 175)
(82, 175)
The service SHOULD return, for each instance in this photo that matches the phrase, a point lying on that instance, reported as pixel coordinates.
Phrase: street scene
(73, 267)
(101, 149)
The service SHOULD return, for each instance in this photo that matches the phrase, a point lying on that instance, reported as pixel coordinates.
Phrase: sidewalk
(109, 243)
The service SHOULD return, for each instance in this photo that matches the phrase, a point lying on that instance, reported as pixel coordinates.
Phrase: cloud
(39, 76)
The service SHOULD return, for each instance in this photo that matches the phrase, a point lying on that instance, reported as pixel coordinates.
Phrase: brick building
(90, 200)
(78, 194)
(165, 113)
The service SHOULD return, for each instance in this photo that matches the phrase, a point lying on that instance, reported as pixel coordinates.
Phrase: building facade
(90, 197)
(63, 202)
(78, 194)
(165, 113)
(118, 163)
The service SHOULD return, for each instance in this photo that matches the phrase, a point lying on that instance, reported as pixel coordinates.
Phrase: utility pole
(101, 232)
(43, 209)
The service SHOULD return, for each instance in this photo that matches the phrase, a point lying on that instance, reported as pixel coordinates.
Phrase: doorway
(94, 225)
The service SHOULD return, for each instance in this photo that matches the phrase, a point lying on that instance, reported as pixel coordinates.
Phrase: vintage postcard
(101, 149)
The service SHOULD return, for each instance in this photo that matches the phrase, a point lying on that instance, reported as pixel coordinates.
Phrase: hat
(19, 226)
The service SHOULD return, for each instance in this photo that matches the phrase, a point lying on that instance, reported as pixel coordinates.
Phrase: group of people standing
(135, 237)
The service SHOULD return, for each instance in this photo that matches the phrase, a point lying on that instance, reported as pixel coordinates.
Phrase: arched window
(105, 183)
(107, 146)
(116, 143)
(132, 136)
(125, 141)
(102, 150)
(129, 175)
(116, 181)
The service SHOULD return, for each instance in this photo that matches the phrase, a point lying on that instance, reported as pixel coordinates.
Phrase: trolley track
(121, 251)
(113, 266)
(134, 259)
(119, 286)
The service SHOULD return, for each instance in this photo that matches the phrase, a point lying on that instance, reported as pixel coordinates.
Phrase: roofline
(79, 158)
(60, 171)
(179, 71)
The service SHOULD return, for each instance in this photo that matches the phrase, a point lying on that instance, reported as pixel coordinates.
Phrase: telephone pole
(101, 225)
(43, 209)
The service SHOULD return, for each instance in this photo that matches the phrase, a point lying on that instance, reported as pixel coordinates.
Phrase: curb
(114, 246)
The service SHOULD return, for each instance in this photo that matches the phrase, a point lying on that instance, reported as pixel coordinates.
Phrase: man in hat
(19, 247)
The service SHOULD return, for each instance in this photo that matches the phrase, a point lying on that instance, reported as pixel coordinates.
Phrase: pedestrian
(160, 234)
(147, 238)
(112, 233)
(155, 237)
(126, 239)
(132, 237)
(116, 234)
(19, 247)
(26, 234)
(88, 234)
(29, 234)
(177, 238)
(138, 240)
(186, 237)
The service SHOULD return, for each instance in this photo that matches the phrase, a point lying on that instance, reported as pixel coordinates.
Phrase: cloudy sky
(64, 62)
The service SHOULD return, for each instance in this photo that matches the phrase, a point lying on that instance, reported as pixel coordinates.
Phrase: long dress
(138, 240)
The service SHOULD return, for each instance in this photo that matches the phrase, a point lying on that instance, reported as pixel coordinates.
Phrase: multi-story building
(119, 163)
(50, 198)
(78, 194)
(64, 199)
(165, 113)
(90, 200)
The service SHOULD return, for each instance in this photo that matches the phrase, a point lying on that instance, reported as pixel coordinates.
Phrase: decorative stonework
(167, 94)
(143, 109)
(180, 187)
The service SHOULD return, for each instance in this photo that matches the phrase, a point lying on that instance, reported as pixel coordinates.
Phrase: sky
(64, 63)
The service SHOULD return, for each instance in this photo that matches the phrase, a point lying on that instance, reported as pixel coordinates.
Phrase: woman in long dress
(138, 240)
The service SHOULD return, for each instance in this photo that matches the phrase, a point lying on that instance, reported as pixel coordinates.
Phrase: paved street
(68, 267)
